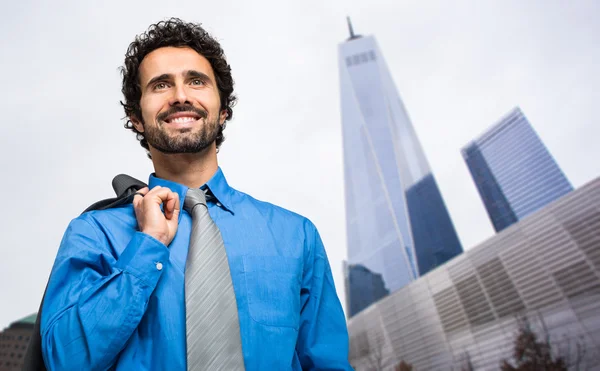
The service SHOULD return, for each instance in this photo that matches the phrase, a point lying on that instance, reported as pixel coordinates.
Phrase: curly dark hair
(177, 33)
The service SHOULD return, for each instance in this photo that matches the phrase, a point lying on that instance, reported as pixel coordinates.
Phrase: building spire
(350, 27)
(352, 35)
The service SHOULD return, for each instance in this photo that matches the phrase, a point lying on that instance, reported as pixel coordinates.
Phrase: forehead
(173, 61)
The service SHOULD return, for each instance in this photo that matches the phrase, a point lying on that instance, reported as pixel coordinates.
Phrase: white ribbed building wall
(546, 268)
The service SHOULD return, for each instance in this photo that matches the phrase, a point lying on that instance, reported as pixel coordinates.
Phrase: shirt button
(218, 204)
(159, 266)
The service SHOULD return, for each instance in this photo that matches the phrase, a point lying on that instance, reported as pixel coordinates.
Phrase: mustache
(183, 108)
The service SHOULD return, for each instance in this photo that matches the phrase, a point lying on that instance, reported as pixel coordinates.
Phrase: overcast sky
(458, 65)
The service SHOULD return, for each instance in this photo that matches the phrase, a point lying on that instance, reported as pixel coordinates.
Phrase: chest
(266, 260)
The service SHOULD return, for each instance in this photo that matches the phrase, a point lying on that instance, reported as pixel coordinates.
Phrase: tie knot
(193, 197)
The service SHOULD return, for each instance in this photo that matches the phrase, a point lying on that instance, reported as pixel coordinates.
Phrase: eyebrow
(197, 74)
(188, 74)
(163, 77)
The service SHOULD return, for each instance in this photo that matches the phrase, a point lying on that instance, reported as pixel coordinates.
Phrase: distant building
(465, 314)
(398, 226)
(513, 171)
(364, 286)
(13, 343)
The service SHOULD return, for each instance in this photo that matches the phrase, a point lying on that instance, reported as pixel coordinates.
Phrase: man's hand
(160, 224)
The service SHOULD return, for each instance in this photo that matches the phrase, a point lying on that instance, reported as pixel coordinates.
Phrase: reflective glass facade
(465, 314)
(433, 234)
(513, 171)
(397, 224)
(364, 286)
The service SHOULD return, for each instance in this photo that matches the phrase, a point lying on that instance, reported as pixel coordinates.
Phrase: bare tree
(375, 357)
(530, 354)
(368, 350)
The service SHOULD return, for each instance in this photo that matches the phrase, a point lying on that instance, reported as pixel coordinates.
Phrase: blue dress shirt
(115, 299)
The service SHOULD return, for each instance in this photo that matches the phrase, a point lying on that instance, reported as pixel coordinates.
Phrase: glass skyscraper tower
(513, 171)
(398, 226)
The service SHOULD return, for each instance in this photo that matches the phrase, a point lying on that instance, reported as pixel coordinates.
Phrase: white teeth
(181, 120)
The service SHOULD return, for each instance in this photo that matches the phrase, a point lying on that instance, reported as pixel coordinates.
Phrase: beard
(188, 140)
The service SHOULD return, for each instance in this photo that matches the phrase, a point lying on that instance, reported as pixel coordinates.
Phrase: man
(120, 294)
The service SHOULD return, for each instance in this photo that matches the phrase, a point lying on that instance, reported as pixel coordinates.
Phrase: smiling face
(180, 101)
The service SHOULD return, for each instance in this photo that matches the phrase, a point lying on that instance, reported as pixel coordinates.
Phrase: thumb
(173, 221)
(172, 207)
(173, 215)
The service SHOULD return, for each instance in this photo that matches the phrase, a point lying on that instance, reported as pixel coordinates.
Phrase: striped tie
(211, 317)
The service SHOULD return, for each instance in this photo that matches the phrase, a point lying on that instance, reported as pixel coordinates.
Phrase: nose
(180, 96)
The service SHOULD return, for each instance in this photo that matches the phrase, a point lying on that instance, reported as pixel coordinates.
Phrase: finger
(152, 191)
(159, 195)
(177, 203)
(143, 191)
(140, 193)
(136, 200)
(170, 205)
(173, 221)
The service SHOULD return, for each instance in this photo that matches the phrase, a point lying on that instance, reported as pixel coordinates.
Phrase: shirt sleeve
(323, 336)
(94, 300)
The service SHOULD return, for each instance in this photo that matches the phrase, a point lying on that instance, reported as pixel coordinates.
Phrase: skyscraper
(513, 171)
(397, 223)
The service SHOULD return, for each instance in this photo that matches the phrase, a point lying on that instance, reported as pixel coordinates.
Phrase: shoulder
(122, 217)
(97, 233)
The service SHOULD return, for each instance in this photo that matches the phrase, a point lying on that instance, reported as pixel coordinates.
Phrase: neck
(190, 169)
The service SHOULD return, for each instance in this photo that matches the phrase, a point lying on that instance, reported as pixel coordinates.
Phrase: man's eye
(160, 85)
(197, 82)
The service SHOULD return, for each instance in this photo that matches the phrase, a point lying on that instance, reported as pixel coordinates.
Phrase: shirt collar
(217, 184)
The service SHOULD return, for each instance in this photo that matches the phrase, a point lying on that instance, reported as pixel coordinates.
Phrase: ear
(137, 124)
(222, 117)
